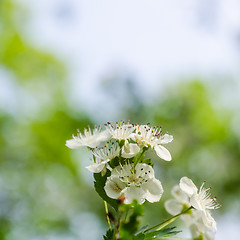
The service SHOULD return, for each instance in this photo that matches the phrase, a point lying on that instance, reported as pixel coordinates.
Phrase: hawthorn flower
(104, 155)
(193, 218)
(129, 149)
(138, 183)
(109, 151)
(200, 200)
(89, 138)
(121, 131)
(98, 167)
(147, 136)
(180, 201)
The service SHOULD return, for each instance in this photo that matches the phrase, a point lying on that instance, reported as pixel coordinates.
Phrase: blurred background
(67, 64)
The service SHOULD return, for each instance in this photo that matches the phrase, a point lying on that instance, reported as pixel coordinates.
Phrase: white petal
(114, 187)
(194, 230)
(188, 219)
(144, 170)
(153, 189)
(165, 139)
(209, 235)
(208, 220)
(97, 167)
(130, 150)
(162, 152)
(103, 136)
(195, 201)
(122, 171)
(73, 144)
(132, 193)
(188, 186)
(173, 206)
(181, 196)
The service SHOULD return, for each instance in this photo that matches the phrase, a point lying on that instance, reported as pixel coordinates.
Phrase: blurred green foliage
(42, 188)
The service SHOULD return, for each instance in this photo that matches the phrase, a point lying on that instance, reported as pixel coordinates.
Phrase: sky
(156, 42)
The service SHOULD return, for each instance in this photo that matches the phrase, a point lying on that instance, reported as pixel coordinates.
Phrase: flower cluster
(119, 151)
(130, 176)
(199, 219)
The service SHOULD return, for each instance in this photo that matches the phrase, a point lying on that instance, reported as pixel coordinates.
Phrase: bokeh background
(67, 64)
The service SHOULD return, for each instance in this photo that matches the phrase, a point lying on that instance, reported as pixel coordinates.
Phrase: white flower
(200, 200)
(89, 138)
(104, 155)
(180, 201)
(130, 149)
(121, 131)
(98, 167)
(109, 151)
(138, 183)
(147, 136)
(193, 219)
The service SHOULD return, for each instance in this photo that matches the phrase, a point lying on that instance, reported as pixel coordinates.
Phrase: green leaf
(142, 229)
(140, 236)
(147, 161)
(161, 233)
(109, 235)
(99, 184)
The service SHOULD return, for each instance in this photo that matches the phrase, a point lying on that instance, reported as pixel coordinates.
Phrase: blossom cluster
(120, 149)
(125, 142)
(199, 219)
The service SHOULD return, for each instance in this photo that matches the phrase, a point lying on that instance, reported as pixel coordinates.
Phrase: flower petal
(165, 139)
(180, 195)
(132, 193)
(173, 206)
(208, 220)
(130, 150)
(162, 152)
(188, 186)
(114, 187)
(144, 171)
(153, 189)
(73, 144)
(97, 167)
(195, 201)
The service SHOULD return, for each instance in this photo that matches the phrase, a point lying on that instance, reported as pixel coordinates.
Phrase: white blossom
(147, 136)
(130, 149)
(89, 138)
(98, 167)
(104, 155)
(138, 183)
(200, 200)
(109, 151)
(195, 219)
(121, 131)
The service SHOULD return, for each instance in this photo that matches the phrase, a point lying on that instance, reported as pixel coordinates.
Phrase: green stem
(106, 210)
(136, 162)
(167, 222)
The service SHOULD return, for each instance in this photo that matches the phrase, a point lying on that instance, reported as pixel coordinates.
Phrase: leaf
(140, 236)
(142, 229)
(109, 235)
(161, 233)
(147, 161)
(99, 184)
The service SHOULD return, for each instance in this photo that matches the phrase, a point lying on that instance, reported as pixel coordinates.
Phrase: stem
(167, 222)
(106, 210)
(136, 162)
